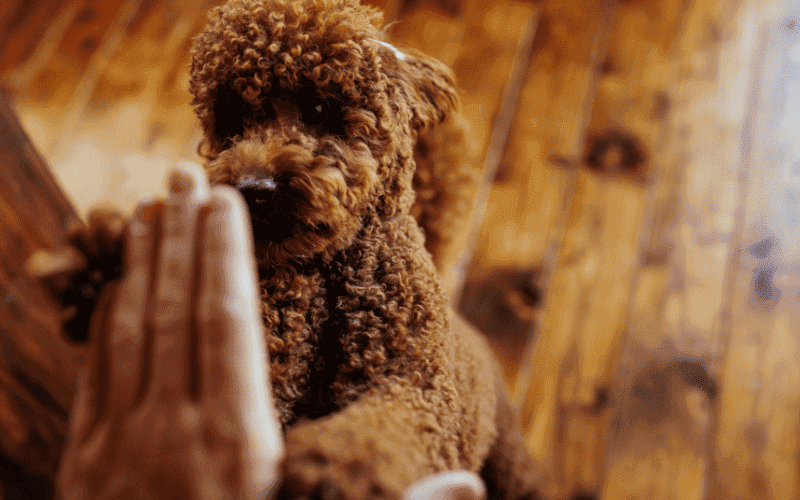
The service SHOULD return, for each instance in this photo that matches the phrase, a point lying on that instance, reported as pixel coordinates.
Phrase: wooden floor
(635, 251)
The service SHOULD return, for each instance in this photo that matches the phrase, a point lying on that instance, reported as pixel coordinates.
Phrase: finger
(128, 345)
(79, 431)
(451, 485)
(83, 413)
(95, 388)
(233, 362)
(174, 296)
(228, 309)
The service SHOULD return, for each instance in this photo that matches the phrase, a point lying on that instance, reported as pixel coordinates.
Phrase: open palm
(174, 401)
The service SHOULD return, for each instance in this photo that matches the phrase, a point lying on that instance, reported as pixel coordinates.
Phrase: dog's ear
(430, 87)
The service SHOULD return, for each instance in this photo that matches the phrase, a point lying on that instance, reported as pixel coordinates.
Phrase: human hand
(174, 400)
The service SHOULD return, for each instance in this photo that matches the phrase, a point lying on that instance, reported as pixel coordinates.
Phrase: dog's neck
(375, 228)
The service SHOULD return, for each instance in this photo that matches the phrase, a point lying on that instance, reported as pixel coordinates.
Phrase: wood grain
(133, 120)
(668, 386)
(490, 68)
(537, 183)
(55, 69)
(23, 26)
(37, 366)
(597, 259)
(756, 446)
(51, 88)
(531, 178)
(423, 26)
(490, 65)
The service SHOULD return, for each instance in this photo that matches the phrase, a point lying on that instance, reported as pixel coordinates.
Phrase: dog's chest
(294, 309)
(335, 329)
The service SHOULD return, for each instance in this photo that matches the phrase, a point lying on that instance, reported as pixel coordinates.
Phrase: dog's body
(314, 118)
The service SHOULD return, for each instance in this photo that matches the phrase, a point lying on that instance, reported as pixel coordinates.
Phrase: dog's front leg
(373, 449)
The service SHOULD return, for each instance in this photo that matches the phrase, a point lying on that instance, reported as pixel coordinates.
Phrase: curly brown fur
(315, 121)
(445, 182)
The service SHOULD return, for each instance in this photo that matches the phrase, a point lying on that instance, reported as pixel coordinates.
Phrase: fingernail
(224, 199)
(180, 181)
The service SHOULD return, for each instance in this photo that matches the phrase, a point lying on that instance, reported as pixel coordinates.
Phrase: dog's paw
(314, 473)
(76, 273)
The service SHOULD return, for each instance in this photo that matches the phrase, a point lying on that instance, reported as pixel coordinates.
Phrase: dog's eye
(314, 111)
(265, 113)
(229, 113)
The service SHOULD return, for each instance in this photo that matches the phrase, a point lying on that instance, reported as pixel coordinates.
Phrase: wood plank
(134, 121)
(668, 383)
(136, 68)
(37, 366)
(174, 131)
(503, 304)
(434, 31)
(61, 58)
(534, 180)
(527, 171)
(756, 447)
(597, 259)
(27, 23)
(489, 67)
(50, 85)
(493, 44)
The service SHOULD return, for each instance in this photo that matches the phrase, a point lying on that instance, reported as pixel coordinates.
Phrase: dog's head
(313, 116)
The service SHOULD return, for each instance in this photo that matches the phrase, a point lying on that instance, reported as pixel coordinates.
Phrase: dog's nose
(256, 190)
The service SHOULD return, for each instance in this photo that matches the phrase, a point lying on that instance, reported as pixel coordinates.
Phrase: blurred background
(634, 252)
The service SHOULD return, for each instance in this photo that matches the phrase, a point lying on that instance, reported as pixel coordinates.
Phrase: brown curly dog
(314, 117)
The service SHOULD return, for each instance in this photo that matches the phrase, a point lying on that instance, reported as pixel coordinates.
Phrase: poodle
(314, 117)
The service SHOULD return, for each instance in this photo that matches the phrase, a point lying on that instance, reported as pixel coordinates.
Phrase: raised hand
(174, 400)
